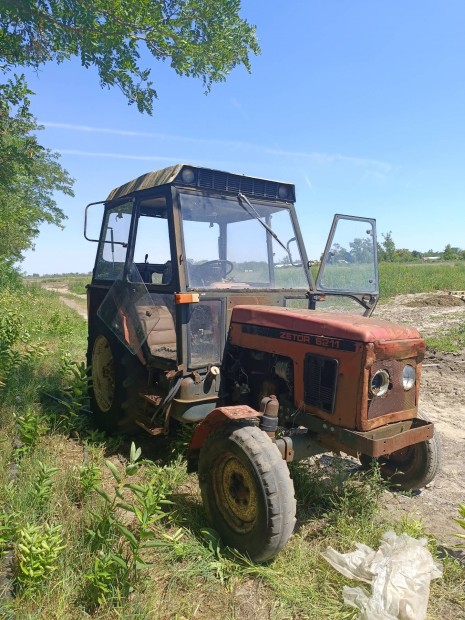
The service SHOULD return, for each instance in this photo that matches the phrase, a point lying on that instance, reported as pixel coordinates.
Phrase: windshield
(227, 247)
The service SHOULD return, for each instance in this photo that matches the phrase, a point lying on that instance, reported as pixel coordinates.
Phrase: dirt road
(443, 401)
(72, 300)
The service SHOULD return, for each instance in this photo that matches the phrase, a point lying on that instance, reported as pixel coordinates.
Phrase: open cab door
(347, 279)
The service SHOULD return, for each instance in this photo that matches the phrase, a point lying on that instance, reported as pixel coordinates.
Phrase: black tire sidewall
(263, 541)
(107, 420)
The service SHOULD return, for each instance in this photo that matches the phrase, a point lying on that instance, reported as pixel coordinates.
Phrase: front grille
(320, 379)
(223, 181)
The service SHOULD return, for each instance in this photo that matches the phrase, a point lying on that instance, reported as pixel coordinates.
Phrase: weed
(120, 548)
(58, 325)
(42, 484)
(448, 341)
(461, 522)
(15, 339)
(37, 548)
(31, 427)
(89, 477)
(7, 530)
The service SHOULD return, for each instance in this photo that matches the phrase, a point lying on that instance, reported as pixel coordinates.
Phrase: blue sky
(360, 104)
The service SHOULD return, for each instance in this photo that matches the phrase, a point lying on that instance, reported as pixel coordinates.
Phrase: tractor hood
(330, 325)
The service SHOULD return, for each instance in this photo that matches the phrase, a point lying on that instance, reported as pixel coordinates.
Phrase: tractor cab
(181, 247)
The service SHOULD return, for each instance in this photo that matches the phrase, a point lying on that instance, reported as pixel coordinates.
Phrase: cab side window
(112, 251)
(152, 252)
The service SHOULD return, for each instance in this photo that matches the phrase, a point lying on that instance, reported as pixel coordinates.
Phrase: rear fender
(217, 418)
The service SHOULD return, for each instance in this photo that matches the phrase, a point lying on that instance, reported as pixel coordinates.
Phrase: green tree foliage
(387, 248)
(29, 175)
(451, 253)
(199, 38)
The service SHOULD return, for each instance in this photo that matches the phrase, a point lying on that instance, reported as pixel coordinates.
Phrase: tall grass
(398, 278)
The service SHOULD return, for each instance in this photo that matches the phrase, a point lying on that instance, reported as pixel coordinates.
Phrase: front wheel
(246, 489)
(412, 467)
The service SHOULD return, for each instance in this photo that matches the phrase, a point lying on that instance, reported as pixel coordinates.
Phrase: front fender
(216, 418)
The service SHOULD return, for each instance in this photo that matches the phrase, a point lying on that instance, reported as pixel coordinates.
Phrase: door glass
(349, 261)
(113, 245)
(152, 253)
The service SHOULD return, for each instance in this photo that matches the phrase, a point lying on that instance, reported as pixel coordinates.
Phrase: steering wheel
(218, 264)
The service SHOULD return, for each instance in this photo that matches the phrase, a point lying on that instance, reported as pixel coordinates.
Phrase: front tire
(246, 490)
(412, 467)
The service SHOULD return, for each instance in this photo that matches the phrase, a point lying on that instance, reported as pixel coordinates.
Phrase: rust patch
(214, 420)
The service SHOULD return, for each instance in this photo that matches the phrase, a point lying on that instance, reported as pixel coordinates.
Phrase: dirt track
(443, 401)
(74, 304)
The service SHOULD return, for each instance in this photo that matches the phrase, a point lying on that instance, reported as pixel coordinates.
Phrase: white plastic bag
(399, 573)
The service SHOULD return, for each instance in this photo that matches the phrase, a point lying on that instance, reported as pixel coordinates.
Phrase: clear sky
(360, 104)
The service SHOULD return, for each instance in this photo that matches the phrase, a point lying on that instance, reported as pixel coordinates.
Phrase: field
(80, 507)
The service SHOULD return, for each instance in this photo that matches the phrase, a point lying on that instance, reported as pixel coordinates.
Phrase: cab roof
(206, 178)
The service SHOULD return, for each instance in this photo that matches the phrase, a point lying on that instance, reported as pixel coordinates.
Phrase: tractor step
(153, 399)
(148, 426)
(145, 422)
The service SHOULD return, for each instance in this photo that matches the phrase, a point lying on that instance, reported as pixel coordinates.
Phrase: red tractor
(203, 309)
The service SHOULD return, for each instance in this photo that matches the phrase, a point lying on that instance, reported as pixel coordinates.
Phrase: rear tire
(117, 378)
(247, 491)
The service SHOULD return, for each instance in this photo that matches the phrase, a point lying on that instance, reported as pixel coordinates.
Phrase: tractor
(204, 310)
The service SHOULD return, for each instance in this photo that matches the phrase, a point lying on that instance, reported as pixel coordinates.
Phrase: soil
(442, 401)
(74, 304)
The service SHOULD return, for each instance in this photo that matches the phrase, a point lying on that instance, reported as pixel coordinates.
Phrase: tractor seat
(162, 338)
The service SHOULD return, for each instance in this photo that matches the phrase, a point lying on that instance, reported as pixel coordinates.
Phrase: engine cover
(335, 357)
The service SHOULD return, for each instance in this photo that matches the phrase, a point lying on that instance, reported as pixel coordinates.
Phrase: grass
(399, 278)
(61, 460)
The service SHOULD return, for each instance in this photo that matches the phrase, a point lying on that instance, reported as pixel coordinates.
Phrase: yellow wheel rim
(103, 374)
(236, 493)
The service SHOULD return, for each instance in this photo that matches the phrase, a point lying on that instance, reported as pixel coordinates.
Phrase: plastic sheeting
(399, 573)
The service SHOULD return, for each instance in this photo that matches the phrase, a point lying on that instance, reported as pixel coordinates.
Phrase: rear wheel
(117, 378)
(246, 489)
(412, 467)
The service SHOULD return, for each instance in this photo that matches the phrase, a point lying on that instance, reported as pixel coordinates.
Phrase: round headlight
(187, 175)
(379, 383)
(408, 377)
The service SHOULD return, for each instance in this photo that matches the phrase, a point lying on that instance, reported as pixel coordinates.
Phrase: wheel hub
(237, 494)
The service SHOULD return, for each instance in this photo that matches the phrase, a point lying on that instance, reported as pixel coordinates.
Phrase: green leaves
(461, 522)
(205, 39)
(119, 541)
(37, 550)
(29, 174)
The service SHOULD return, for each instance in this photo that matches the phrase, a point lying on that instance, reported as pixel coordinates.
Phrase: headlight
(379, 383)
(408, 377)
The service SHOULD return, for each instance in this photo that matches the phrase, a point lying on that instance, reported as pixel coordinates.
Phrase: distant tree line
(389, 253)
(69, 274)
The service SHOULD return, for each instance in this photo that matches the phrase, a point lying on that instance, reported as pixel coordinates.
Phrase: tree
(200, 38)
(29, 175)
(451, 253)
(387, 248)
(361, 250)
